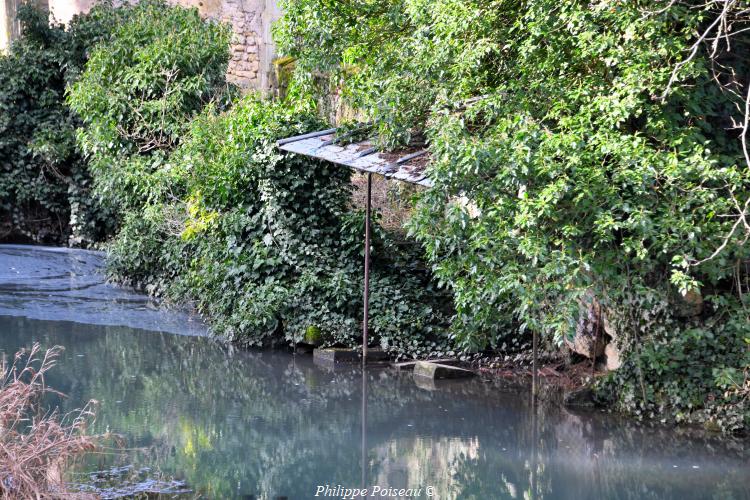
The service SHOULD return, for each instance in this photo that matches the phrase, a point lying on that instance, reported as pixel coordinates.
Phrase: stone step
(409, 365)
(434, 371)
(336, 355)
(345, 355)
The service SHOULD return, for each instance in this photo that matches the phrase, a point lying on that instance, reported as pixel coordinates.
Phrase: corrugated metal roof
(408, 165)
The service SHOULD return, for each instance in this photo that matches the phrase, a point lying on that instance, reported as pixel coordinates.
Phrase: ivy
(45, 187)
(558, 170)
(266, 246)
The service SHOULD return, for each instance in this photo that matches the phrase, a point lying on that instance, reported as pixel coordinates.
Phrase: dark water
(234, 424)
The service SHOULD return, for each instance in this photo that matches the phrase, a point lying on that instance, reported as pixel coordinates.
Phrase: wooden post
(366, 320)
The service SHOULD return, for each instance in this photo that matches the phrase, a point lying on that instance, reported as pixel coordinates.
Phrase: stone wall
(9, 27)
(252, 50)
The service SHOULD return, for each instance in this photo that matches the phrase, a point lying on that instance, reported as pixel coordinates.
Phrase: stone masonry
(252, 49)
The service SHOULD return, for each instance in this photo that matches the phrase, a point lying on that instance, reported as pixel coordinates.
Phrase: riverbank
(69, 284)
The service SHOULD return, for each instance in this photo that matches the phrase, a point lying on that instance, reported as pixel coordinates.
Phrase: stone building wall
(252, 50)
(9, 28)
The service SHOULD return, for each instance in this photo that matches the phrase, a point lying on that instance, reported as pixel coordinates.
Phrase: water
(64, 284)
(240, 424)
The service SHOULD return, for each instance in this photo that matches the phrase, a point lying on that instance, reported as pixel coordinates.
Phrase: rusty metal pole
(534, 449)
(535, 368)
(366, 321)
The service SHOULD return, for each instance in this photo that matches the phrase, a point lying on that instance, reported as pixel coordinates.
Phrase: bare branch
(719, 22)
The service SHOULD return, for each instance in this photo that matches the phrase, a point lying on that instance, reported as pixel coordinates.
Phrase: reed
(36, 444)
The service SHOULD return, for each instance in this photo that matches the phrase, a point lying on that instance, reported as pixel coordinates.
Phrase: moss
(313, 335)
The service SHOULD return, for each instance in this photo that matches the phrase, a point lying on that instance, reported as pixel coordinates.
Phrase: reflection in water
(239, 424)
(270, 424)
(364, 463)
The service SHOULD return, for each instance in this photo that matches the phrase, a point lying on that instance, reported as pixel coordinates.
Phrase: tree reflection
(233, 423)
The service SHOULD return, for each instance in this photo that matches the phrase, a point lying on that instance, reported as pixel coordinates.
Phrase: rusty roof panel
(409, 166)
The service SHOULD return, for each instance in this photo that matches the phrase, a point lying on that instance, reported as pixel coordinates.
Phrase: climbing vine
(570, 160)
(266, 246)
(45, 187)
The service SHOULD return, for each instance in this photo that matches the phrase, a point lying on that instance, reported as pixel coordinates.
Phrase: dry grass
(36, 446)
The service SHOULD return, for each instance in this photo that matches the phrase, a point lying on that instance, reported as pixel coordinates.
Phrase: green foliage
(688, 375)
(264, 244)
(313, 335)
(44, 183)
(558, 170)
(139, 91)
(558, 173)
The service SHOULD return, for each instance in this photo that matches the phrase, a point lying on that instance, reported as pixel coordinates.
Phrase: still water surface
(239, 424)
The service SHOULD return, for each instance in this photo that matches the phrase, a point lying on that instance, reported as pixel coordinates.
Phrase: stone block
(434, 371)
(409, 365)
(247, 75)
(344, 355)
(612, 354)
(336, 355)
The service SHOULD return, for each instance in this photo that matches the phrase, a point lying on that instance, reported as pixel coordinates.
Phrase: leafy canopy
(140, 90)
(558, 170)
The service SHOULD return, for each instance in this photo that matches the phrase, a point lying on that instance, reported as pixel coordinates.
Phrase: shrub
(264, 245)
(139, 91)
(44, 183)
